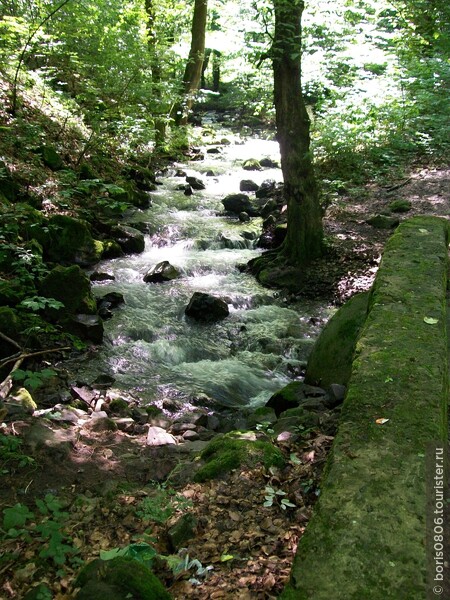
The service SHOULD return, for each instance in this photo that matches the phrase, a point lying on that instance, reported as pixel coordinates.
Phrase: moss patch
(229, 452)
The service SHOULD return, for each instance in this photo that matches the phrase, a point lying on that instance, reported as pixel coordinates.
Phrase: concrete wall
(367, 537)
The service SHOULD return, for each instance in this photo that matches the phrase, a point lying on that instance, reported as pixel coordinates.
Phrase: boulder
(119, 578)
(129, 239)
(113, 299)
(161, 272)
(87, 327)
(71, 286)
(400, 206)
(247, 185)
(331, 358)
(268, 163)
(252, 165)
(111, 249)
(266, 189)
(67, 240)
(196, 183)
(207, 308)
(182, 531)
(238, 203)
(51, 158)
(294, 394)
(383, 222)
(227, 452)
(101, 276)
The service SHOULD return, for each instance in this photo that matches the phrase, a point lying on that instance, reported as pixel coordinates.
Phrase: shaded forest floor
(240, 549)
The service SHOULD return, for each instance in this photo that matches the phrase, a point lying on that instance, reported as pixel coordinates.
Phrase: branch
(6, 385)
(399, 185)
(10, 341)
(30, 354)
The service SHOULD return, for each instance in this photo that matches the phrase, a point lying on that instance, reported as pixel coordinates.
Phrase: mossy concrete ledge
(366, 539)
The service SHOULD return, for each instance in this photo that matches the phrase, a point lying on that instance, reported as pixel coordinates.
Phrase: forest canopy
(375, 74)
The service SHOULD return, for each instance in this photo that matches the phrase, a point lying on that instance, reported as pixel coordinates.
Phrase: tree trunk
(193, 71)
(156, 69)
(303, 242)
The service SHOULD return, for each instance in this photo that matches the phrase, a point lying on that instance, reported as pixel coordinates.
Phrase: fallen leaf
(381, 421)
(430, 320)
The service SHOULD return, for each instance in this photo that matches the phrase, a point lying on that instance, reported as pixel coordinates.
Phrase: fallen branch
(23, 356)
(6, 385)
(10, 341)
(399, 185)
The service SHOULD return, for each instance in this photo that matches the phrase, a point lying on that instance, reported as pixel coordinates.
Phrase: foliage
(11, 454)
(46, 525)
(32, 379)
(272, 495)
(161, 505)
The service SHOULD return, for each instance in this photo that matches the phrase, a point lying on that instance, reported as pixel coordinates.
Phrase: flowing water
(152, 349)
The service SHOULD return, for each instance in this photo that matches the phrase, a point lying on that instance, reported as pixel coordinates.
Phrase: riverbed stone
(269, 163)
(196, 183)
(101, 276)
(129, 239)
(238, 203)
(206, 308)
(162, 272)
(87, 327)
(252, 164)
(248, 185)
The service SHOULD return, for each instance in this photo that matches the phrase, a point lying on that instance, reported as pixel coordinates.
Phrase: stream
(158, 354)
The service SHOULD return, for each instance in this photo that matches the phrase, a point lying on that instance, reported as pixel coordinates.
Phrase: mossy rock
(72, 287)
(68, 240)
(230, 451)
(111, 249)
(252, 165)
(9, 322)
(51, 158)
(331, 358)
(120, 407)
(121, 578)
(400, 206)
(291, 395)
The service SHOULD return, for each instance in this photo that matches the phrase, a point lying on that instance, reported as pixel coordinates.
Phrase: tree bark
(303, 242)
(156, 69)
(193, 71)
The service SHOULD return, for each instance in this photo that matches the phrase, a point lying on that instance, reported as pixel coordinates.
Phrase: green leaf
(226, 557)
(114, 553)
(294, 459)
(16, 516)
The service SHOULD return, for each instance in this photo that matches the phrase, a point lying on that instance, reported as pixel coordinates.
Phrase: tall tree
(156, 69)
(303, 242)
(193, 71)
